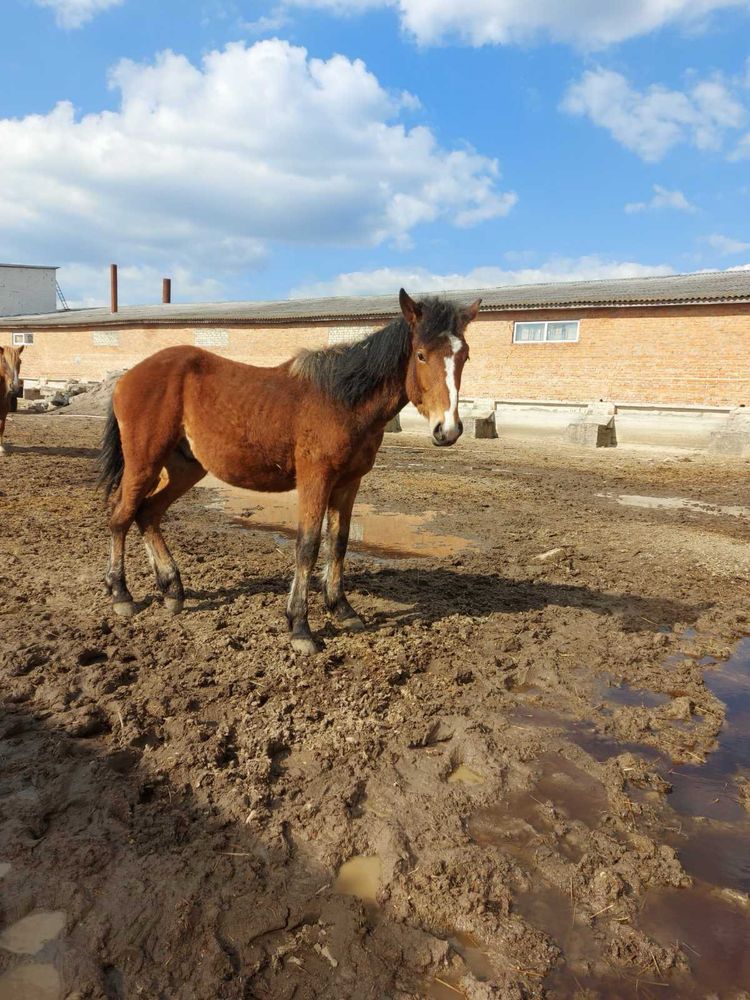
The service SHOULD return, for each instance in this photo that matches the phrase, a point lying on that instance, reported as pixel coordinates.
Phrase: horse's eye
(420, 356)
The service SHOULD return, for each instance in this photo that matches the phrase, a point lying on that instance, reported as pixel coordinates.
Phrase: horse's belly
(251, 468)
(261, 480)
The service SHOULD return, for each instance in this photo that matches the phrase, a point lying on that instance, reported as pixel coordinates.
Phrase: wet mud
(529, 777)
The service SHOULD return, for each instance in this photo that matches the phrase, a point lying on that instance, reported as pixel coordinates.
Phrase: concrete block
(595, 429)
(30, 392)
(393, 426)
(602, 412)
(734, 437)
(480, 424)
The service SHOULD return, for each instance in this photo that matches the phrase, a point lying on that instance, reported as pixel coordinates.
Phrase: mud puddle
(360, 876)
(384, 534)
(30, 982)
(717, 788)
(465, 776)
(709, 922)
(698, 786)
(625, 695)
(675, 503)
(30, 934)
(33, 936)
(561, 796)
(713, 934)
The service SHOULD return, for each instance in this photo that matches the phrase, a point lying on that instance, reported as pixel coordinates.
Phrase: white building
(25, 289)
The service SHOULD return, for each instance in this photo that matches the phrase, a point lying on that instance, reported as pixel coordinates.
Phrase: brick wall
(693, 355)
(88, 354)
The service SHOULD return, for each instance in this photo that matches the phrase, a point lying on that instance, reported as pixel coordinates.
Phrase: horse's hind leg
(177, 476)
(125, 503)
(340, 508)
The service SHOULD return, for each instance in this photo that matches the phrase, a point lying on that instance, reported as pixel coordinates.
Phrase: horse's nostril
(438, 432)
(460, 427)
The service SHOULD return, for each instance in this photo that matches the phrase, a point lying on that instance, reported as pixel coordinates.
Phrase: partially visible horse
(10, 382)
(314, 423)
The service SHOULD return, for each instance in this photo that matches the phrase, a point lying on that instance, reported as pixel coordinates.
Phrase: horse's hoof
(305, 647)
(173, 605)
(125, 609)
(354, 624)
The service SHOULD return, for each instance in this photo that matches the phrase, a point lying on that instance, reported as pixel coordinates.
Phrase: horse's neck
(385, 402)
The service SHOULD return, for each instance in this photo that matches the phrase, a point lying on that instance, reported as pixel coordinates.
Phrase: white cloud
(584, 23)
(663, 198)
(742, 152)
(651, 122)
(725, 245)
(390, 279)
(74, 13)
(201, 167)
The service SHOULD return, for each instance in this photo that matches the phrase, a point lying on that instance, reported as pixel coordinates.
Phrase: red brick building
(677, 347)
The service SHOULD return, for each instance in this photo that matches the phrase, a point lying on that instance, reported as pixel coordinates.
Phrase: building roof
(32, 267)
(708, 287)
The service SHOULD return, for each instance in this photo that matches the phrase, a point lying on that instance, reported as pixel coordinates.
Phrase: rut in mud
(526, 779)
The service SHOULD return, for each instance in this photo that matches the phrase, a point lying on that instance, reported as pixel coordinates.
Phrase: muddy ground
(179, 794)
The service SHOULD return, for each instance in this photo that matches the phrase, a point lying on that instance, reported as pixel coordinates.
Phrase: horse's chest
(361, 455)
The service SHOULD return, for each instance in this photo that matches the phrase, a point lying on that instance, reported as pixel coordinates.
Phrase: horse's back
(238, 420)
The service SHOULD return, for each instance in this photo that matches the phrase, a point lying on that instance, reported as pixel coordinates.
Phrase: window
(105, 338)
(211, 338)
(555, 331)
(22, 339)
(347, 334)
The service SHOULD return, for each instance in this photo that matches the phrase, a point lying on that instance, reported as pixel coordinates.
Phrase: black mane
(349, 373)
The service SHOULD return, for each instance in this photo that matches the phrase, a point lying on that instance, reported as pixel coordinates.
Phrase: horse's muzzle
(444, 439)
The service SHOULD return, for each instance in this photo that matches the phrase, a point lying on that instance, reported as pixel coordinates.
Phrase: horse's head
(10, 368)
(438, 354)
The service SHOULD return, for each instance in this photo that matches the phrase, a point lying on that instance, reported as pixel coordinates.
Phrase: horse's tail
(111, 461)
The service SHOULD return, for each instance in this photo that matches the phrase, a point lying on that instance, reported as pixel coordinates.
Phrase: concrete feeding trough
(479, 419)
(393, 426)
(734, 437)
(595, 429)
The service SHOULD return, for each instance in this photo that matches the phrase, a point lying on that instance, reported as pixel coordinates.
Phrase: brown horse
(314, 423)
(10, 368)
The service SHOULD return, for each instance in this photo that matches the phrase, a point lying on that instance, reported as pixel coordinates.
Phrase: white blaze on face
(450, 420)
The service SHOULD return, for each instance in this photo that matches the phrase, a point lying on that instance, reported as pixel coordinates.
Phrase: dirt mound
(95, 401)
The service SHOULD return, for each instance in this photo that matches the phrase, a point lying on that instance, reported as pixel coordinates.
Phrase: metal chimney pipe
(113, 287)
(166, 290)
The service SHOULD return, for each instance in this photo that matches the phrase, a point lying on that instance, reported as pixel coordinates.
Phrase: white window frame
(105, 338)
(22, 339)
(546, 324)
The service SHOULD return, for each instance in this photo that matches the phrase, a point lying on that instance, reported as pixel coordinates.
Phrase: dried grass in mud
(491, 760)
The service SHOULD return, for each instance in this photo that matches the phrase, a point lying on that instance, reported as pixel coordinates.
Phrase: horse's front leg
(339, 518)
(313, 500)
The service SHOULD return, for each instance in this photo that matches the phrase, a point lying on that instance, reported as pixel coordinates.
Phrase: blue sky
(258, 150)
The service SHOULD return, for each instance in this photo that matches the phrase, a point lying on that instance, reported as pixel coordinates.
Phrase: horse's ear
(411, 310)
(470, 312)
(2, 349)
(20, 350)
